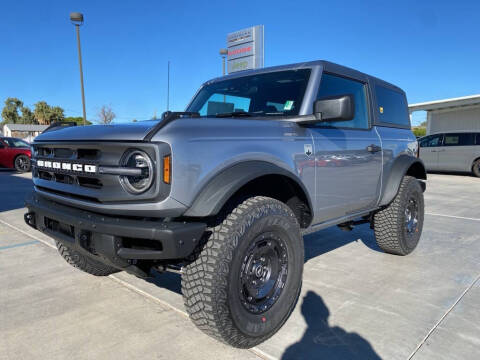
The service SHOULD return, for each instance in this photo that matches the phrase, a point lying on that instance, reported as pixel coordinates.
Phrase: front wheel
(398, 227)
(22, 163)
(476, 168)
(246, 281)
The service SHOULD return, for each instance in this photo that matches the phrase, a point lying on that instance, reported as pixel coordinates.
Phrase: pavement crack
(443, 317)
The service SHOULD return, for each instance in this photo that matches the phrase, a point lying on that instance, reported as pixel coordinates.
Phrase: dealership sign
(245, 49)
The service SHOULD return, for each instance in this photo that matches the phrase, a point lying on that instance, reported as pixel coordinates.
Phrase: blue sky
(428, 48)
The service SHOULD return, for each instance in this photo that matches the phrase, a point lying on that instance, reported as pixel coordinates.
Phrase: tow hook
(30, 219)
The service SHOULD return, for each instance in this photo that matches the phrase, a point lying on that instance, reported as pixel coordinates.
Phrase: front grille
(73, 155)
(88, 181)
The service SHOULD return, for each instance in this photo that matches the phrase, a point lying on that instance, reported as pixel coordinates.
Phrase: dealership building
(455, 114)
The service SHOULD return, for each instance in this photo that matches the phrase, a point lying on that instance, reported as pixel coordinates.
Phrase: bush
(419, 131)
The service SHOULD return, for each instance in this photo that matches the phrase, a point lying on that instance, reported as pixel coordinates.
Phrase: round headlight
(140, 160)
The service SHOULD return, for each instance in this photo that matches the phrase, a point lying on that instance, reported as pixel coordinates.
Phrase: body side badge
(308, 149)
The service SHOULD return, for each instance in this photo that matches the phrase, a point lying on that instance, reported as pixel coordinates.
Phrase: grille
(76, 170)
(72, 154)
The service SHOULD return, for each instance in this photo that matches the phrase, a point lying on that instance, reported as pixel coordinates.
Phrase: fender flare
(396, 172)
(227, 182)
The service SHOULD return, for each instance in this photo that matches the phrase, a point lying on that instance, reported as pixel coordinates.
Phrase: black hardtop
(326, 65)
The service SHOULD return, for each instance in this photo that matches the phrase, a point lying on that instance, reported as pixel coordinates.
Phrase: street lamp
(223, 52)
(77, 20)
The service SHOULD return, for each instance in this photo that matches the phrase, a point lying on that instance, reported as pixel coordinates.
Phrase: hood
(118, 132)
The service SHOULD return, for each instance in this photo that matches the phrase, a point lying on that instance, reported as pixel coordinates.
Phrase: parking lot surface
(356, 301)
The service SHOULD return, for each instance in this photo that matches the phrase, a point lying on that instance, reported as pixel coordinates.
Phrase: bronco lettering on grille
(67, 166)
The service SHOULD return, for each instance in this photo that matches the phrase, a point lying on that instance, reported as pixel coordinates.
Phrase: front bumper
(116, 241)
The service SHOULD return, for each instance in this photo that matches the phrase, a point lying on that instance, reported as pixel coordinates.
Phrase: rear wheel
(398, 227)
(476, 168)
(22, 163)
(83, 262)
(246, 281)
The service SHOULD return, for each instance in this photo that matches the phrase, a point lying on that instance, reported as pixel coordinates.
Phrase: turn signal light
(167, 173)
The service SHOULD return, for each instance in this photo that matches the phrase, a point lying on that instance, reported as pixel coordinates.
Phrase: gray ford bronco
(224, 191)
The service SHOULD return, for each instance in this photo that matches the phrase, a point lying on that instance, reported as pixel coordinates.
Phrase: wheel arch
(403, 165)
(253, 178)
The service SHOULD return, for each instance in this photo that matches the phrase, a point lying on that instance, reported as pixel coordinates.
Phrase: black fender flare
(227, 182)
(395, 174)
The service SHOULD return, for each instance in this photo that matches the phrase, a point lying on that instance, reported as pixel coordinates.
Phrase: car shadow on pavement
(13, 190)
(332, 238)
(166, 280)
(322, 341)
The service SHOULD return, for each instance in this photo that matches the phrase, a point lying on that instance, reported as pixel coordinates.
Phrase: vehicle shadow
(322, 341)
(167, 280)
(316, 244)
(332, 238)
(13, 190)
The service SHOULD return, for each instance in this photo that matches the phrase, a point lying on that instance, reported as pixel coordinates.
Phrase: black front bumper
(116, 241)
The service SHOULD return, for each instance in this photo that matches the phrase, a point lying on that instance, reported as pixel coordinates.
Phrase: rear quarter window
(392, 107)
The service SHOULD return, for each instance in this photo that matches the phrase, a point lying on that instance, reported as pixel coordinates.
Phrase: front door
(429, 150)
(348, 156)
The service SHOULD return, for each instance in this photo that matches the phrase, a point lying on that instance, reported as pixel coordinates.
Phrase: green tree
(45, 114)
(10, 112)
(42, 112)
(419, 131)
(27, 116)
(77, 119)
(57, 114)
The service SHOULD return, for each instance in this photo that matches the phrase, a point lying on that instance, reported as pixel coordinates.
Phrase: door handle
(373, 148)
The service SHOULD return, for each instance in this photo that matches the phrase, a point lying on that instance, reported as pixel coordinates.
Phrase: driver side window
(332, 85)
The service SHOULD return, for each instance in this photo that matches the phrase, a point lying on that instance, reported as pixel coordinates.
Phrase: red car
(15, 153)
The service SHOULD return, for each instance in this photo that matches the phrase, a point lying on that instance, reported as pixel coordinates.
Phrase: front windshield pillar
(311, 91)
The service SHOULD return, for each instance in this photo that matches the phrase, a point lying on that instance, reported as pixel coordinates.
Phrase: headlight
(137, 159)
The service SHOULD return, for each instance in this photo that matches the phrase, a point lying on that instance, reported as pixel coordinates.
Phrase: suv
(224, 191)
(452, 151)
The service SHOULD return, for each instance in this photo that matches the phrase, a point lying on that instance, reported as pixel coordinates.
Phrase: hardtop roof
(327, 65)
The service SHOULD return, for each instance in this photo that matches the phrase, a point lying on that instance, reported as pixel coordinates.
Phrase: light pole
(77, 20)
(223, 52)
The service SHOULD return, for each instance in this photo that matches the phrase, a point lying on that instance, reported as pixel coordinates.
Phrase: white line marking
(443, 317)
(255, 350)
(453, 216)
(29, 235)
(147, 295)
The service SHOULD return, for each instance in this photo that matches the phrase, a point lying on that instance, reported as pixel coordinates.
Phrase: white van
(452, 151)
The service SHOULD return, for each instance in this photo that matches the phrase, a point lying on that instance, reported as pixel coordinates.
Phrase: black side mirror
(335, 108)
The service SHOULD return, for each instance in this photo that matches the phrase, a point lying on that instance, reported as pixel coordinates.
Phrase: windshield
(270, 94)
(16, 143)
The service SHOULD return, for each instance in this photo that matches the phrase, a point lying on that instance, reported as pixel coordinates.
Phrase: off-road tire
(211, 283)
(390, 223)
(83, 262)
(22, 163)
(476, 168)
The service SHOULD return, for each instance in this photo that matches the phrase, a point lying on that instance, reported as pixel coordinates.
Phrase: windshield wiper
(233, 114)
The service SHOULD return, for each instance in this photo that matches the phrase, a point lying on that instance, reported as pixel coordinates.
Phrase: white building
(453, 114)
(27, 132)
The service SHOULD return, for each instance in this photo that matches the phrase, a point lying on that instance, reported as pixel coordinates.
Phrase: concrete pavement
(356, 302)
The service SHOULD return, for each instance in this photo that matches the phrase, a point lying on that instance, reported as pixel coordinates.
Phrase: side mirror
(335, 108)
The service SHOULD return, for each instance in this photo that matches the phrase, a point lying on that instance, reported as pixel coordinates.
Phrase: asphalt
(356, 301)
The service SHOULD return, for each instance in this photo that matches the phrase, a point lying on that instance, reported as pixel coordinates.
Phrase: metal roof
(446, 103)
(26, 127)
